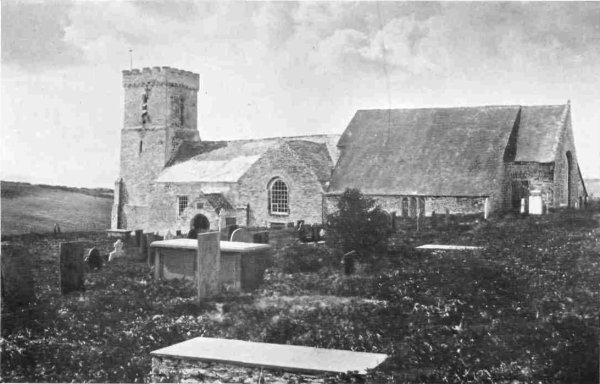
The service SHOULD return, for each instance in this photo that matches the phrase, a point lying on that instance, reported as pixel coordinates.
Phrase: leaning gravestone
(242, 235)
(72, 267)
(93, 259)
(17, 277)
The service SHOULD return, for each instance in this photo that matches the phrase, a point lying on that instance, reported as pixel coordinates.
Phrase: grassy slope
(33, 208)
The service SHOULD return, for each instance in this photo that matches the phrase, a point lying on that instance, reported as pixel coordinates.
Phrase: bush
(300, 257)
(360, 225)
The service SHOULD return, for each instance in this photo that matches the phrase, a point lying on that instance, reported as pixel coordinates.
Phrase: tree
(360, 225)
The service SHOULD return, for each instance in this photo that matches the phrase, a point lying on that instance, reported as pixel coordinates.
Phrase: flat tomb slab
(272, 356)
(443, 247)
(226, 246)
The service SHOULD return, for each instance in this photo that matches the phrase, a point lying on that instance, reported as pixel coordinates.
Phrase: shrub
(300, 257)
(360, 225)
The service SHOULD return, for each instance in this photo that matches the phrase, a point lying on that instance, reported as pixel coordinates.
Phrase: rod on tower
(130, 59)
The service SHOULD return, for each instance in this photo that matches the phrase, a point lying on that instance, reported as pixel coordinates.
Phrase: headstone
(486, 208)
(138, 237)
(71, 267)
(93, 259)
(261, 237)
(118, 251)
(17, 277)
(169, 236)
(242, 235)
(433, 220)
(144, 245)
(209, 264)
(349, 262)
(150, 238)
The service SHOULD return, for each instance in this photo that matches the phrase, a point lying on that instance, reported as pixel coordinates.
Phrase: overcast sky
(270, 69)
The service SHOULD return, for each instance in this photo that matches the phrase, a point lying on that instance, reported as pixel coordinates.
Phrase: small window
(145, 116)
(421, 207)
(404, 207)
(413, 207)
(199, 205)
(177, 109)
(278, 198)
(182, 203)
(141, 147)
(230, 221)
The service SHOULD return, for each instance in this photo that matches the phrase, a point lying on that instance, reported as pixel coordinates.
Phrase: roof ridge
(461, 107)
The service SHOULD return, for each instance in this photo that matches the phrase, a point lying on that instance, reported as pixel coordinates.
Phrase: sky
(280, 69)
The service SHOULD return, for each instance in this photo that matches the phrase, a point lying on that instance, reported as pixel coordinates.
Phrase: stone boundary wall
(170, 370)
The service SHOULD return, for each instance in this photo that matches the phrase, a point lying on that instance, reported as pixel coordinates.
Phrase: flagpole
(130, 59)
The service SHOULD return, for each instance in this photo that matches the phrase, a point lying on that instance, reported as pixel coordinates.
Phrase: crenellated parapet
(161, 76)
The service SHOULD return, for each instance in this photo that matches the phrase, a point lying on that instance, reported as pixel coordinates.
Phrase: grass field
(35, 209)
(524, 310)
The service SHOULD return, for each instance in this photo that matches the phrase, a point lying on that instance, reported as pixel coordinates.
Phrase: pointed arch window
(278, 197)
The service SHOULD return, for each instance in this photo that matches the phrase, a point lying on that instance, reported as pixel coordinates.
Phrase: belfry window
(178, 109)
(278, 198)
(141, 147)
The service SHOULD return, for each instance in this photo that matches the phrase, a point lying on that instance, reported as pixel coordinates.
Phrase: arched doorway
(569, 178)
(200, 223)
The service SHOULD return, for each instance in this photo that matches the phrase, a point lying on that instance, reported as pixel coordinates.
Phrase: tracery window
(278, 198)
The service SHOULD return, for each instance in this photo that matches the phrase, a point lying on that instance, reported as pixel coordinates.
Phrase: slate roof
(440, 151)
(224, 164)
(218, 201)
(315, 156)
(539, 132)
(227, 162)
(189, 149)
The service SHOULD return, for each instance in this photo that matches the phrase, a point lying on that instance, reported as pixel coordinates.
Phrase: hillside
(28, 208)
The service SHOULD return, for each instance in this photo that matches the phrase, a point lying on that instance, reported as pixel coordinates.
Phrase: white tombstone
(536, 204)
(118, 252)
(486, 208)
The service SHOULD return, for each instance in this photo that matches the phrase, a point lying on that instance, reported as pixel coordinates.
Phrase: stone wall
(437, 204)
(164, 215)
(539, 175)
(304, 190)
(566, 144)
(170, 370)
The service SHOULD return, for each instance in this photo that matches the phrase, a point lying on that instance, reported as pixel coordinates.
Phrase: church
(465, 160)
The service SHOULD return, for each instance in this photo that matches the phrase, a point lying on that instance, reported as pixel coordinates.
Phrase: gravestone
(118, 251)
(242, 235)
(93, 259)
(17, 277)
(349, 262)
(209, 264)
(72, 267)
(138, 237)
(261, 237)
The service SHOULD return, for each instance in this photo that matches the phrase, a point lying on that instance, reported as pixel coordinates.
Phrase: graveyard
(521, 305)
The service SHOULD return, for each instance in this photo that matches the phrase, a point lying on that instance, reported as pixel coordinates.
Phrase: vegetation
(526, 309)
(358, 225)
(30, 208)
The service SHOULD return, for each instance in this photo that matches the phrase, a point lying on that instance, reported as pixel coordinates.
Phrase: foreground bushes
(524, 309)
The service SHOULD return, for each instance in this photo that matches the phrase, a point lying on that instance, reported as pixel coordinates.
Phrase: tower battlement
(157, 76)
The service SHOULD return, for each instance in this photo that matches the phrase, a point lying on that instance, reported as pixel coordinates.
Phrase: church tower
(160, 113)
